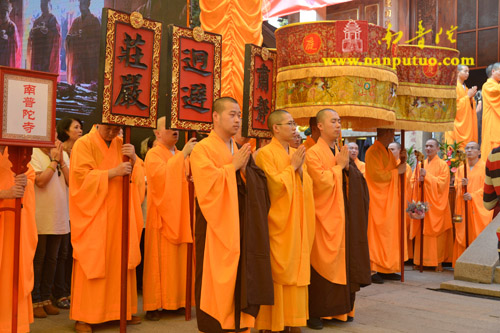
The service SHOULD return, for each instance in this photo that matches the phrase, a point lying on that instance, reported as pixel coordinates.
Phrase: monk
(296, 141)
(438, 233)
(168, 229)
(384, 217)
(44, 41)
(95, 205)
(395, 148)
(233, 273)
(10, 47)
(82, 46)
(491, 113)
(465, 124)
(340, 265)
(291, 226)
(479, 217)
(313, 135)
(16, 186)
(353, 153)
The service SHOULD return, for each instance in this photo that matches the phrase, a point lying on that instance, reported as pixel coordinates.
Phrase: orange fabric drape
(239, 23)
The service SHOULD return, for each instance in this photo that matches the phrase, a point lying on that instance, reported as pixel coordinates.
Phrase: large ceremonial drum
(426, 94)
(338, 65)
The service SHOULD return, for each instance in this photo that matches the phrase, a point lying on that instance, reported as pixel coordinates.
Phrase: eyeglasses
(290, 123)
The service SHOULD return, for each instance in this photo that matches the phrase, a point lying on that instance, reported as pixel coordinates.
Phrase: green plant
(450, 155)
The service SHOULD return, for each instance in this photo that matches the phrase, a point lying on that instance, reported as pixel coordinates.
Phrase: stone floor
(391, 307)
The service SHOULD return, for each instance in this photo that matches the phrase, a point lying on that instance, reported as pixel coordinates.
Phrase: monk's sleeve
(88, 190)
(279, 182)
(136, 195)
(436, 192)
(165, 184)
(326, 180)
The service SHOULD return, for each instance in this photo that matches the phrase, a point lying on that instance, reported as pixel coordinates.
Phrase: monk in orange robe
(334, 279)
(479, 217)
(353, 153)
(491, 113)
(95, 206)
(395, 147)
(168, 229)
(465, 124)
(313, 133)
(384, 215)
(291, 226)
(214, 162)
(16, 186)
(438, 233)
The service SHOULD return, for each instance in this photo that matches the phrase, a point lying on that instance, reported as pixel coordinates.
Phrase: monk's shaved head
(436, 142)
(496, 66)
(488, 70)
(461, 67)
(275, 118)
(219, 103)
(321, 115)
(160, 124)
(473, 144)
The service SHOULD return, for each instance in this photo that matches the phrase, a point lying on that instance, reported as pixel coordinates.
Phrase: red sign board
(28, 107)
(259, 92)
(195, 66)
(130, 77)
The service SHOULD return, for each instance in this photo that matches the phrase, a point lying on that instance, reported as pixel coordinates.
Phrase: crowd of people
(285, 233)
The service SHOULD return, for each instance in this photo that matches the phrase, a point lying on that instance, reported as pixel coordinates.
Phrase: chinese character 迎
(129, 92)
(28, 102)
(136, 57)
(389, 35)
(28, 126)
(263, 110)
(198, 95)
(197, 56)
(263, 72)
(29, 89)
(28, 113)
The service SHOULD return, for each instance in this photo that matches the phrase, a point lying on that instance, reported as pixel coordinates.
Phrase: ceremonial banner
(426, 95)
(259, 92)
(129, 69)
(195, 68)
(341, 65)
(28, 107)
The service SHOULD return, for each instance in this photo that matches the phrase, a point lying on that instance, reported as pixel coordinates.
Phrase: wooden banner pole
(402, 179)
(124, 239)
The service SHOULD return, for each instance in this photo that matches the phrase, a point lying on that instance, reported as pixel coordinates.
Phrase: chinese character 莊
(132, 60)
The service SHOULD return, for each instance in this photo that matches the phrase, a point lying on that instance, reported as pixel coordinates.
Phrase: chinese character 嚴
(136, 57)
(29, 113)
(129, 92)
(263, 82)
(263, 110)
(28, 126)
(29, 89)
(28, 102)
(197, 57)
(198, 95)
(389, 35)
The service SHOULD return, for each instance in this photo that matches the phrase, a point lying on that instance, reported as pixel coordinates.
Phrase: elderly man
(478, 216)
(438, 233)
(95, 205)
(353, 153)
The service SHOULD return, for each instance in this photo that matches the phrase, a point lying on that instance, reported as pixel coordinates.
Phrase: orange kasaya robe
(95, 206)
(438, 233)
(361, 165)
(328, 250)
(291, 234)
(309, 142)
(407, 199)
(168, 230)
(215, 184)
(479, 217)
(465, 124)
(384, 215)
(27, 247)
(491, 118)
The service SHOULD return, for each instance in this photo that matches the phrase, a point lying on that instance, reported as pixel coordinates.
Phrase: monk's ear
(320, 126)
